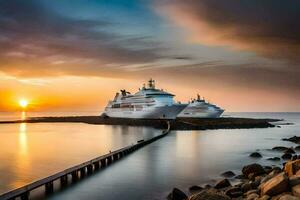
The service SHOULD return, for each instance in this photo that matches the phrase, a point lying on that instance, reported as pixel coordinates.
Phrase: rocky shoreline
(256, 182)
(176, 124)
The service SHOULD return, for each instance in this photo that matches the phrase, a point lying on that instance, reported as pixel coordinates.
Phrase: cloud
(270, 28)
(36, 40)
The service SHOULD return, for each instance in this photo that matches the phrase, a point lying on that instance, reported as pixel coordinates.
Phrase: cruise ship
(147, 103)
(199, 108)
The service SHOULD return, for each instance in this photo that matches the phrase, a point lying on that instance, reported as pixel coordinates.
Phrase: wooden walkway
(79, 171)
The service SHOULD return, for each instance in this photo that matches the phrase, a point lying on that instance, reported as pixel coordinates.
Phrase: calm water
(181, 159)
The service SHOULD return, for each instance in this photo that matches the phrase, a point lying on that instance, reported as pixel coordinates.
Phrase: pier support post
(96, 165)
(25, 196)
(109, 160)
(115, 157)
(103, 163)
(63, 180)
(49, 187)
(90, 169)
(74, 176)
(82, 172)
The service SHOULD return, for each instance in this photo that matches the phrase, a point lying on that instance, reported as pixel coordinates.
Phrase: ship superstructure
(199, 108)
(147, 103)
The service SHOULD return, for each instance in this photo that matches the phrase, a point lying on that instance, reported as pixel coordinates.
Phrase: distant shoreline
(177, 124)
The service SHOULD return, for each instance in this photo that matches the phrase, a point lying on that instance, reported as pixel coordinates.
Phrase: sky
(73, 55)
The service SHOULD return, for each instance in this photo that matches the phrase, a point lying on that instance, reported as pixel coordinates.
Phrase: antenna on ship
(151, 83)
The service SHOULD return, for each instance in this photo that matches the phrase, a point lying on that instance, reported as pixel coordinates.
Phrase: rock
(297, 148)
(195, 188)
(255, 155)
(253, 168)
(177, 194)
(234, 192)
(275, 185)
(252, 196)
(279, 148)
(265, 197)
(274, 159)
(294, 139)
(288, 197)
(246, 187)
(295, 157)
(251, 191)
(290, 150)
(240, 176)
(296, 190)
(294, 180)
(286, 156)
(228, 174)
(222, 184)
(209, 195)
(292, 167)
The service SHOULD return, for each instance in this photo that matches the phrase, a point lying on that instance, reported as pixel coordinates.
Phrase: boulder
(275, 185)
(177, 194)
(290, 150)
(292, 167)
(288, 197)
(295, 157)
(279, 148)
(296, 191)
(222, 184)
(255, 168)
(294, 139)
(294, 180)
(228, 174)
(255, 155)
(252, 196)
(274, 159)
(297, 148)
(195, 188)
(265, 197)
(246, 187)
(234, 192)
(209, 195)
(286, 156)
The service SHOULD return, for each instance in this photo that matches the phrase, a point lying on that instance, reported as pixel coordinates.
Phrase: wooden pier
(77, 172)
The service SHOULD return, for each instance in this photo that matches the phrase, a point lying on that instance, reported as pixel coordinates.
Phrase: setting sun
(23, 103)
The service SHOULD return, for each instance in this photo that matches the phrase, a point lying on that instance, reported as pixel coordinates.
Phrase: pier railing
(79, 171)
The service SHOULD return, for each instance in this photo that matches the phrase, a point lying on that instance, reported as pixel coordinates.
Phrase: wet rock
(296, 190)
(255, 155)
(240, 176)
(288, 197)
(294, 139)
(265, 197)
(290, 150)
(246, 187)
(295, 157)
(297, 148)
(255, 168)
(222, 184)
(177, 194)
(228, 174)
(195, 188)
(279, 148)
(275, 185)
(234, 192)
(292, 167)
(286, 156)
(209, 195)
(251, 191)
(252, 196)
(274, 159)
(294, 180)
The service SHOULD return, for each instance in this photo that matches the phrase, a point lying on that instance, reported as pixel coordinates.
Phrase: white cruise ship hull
(154, 112)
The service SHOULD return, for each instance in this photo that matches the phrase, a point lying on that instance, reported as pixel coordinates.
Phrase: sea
(182, 159)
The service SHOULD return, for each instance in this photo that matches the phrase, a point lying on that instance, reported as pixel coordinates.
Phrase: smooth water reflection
(33, 151)
(182, 159)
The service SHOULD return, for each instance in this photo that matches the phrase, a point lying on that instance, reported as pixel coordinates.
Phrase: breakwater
(176, 124)
(78, 172)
